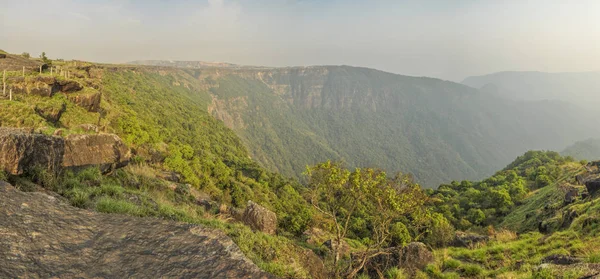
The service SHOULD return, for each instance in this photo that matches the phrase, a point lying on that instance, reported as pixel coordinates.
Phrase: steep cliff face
(437, 130)
(45, 238)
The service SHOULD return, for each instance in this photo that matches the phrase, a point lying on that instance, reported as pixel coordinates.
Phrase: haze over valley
(299, 139)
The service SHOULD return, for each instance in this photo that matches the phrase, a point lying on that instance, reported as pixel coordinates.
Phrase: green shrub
(399, 234)
(433, 270)
(450, 275)
(544, 273)
(111, 190)
(90, 175)
(395, 273)
(78, 197)
(441, 231)
(451, 264)
(472, 270)
(111, 205)
(594, 258)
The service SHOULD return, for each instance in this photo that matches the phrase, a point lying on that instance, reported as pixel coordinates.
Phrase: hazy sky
(446, 39)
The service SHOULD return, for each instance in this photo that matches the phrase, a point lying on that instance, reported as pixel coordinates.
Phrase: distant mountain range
(584, 150)
(582, 88)
(434, 129)
(184, 64)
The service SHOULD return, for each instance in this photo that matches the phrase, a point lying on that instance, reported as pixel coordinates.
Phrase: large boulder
(22, 151)
(68, 86)
(571, 195)
(592, 185)
(44, 86)
(260, 218)
(43, 237)
(314, 264)
(107, 151)
(90, 102)
(41, 89)
(463, 239)
(412, 257)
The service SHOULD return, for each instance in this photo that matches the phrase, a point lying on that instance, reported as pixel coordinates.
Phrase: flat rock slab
(41, 237)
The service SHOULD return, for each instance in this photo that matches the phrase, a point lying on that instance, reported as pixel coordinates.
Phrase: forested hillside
(437, 130)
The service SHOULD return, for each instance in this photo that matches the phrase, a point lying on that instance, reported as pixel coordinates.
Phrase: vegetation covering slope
(161, 113)
(436, 130)
(162, 117)
(523, 229)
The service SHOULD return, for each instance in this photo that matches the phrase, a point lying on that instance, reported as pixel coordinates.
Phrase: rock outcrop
(412, 257)
(462, 239)
(51, 113)
(69, 86)
(44, 86)
(592, 185)
(260, 218)
(316, 267)
(90, 102)
(22, 150)
(561, 259)
(45, 238)
(106, 151)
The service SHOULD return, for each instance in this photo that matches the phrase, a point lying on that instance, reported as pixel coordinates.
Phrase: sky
(447, 39)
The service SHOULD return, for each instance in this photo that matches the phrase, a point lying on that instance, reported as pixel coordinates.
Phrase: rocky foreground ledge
(22, 150)
(42, 237)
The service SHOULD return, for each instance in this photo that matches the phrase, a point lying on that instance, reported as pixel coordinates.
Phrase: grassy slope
(512, 255)
(161, 114)
(547, 197)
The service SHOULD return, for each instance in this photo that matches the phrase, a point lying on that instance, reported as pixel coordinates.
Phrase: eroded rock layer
(41, 237)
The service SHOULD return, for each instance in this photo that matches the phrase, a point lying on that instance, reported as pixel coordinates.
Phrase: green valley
(437, 130)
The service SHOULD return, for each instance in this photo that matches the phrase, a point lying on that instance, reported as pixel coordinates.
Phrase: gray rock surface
(41, 237)
(106, 151)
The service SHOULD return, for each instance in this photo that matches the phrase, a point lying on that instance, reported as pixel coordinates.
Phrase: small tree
(45, 58)
(335, 196)
(26, 55)
(340, 195)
